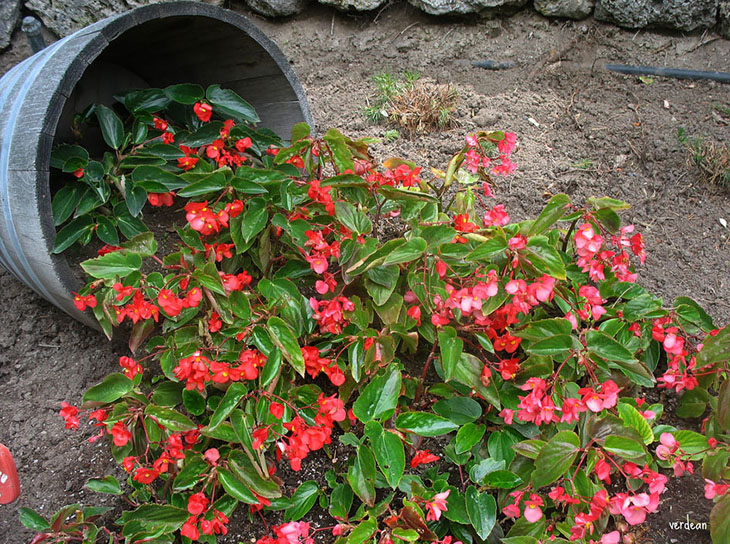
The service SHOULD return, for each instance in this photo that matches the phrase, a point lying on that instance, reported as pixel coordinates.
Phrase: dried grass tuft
(424, 107)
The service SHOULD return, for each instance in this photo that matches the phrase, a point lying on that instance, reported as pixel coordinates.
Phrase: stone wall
(65, 16)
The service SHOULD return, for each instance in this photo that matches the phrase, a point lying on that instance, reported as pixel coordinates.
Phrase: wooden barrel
(152, 46)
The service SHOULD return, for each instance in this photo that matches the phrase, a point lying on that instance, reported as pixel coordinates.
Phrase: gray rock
(9, 15)
(353, 5)
(687, 15)
(63, 17)
(277, 8)
(571, 9)
(723, 19)
(467, 7)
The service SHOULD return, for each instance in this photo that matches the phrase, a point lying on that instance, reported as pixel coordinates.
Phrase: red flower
(215, 323)
(161, 199)
(79, 173)
(70, 415)
(187, 163)
(190, 529)
(423, 457)
(203, 111)
(243, 144)
(197, 503)
(145, 475)
(107, 249)
(120, 434)
(415, 313)
(277, 410)
(82, 302)
(130, 366)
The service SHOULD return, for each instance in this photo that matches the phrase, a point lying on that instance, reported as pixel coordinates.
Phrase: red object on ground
(9, 484)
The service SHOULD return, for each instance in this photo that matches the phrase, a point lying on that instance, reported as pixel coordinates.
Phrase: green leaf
(255, 218)
(407, 252)
(107, 484)
(283, 337)
(551, 346)
(243, 468)
(363, 532)
(553, 211)
(720, 521)
(482, 510)
(451, 347)
(228, 403)
(135, 197)
(716, 349)
(529, 448)
(390, 455)
(69, 158)
(235, 487)
(459, 410)
(545, 257)
(172, 419)
(33, 520)
(380, 397)
(191, 473)
(114, 387)
(502, 479)
(72, 232)
(624, 447)
(157, 516)
(361, 475)
(424, 424)
(555, 458)
(302, 501)
(340, 152)
(112, 129)
(300, 131)
(468, 436)
(227, 103)
(353, 218)
(65, 201)
(212, 183)
(633, 418)
(341, 501)
(185, 93)
(607, 202)
(143, 244)
(111, 265)
(170, 181)
(723, 406)
(604, 346)
(106, 230)
(545, 328)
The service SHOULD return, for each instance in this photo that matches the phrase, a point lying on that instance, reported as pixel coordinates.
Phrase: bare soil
(582, 130)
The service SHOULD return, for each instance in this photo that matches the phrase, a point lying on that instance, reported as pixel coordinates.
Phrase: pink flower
(611, 538)
(533, 512)
(667, 447)
(713, 489)
(508, 415)
(437, 505)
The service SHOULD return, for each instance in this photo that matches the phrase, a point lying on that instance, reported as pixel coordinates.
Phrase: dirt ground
(582, 130)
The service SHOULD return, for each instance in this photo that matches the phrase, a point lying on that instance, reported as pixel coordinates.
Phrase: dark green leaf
(353, 218)
(424, 424)
(185, 93)
(482, 509)
(111, 265)
(107, 484)
(555, 458)
(283, 337)
(255, 218)
(235, 487)
(451, 347)
(361, 475)
(65, 202)
(302, 501)
(33, 520)
(459, 410)
(114, 387)
(172, 419)
(380, 397)
(627, 448)
(227, 103)
(553, 211)
(468, 436)
(112, 129)
(407, 252)
(230, 400)
(72, 232)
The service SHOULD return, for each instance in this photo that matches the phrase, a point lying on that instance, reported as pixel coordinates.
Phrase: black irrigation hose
(722, 77)
(493, 64)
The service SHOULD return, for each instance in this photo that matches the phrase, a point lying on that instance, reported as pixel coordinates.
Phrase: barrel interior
(187, 49)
